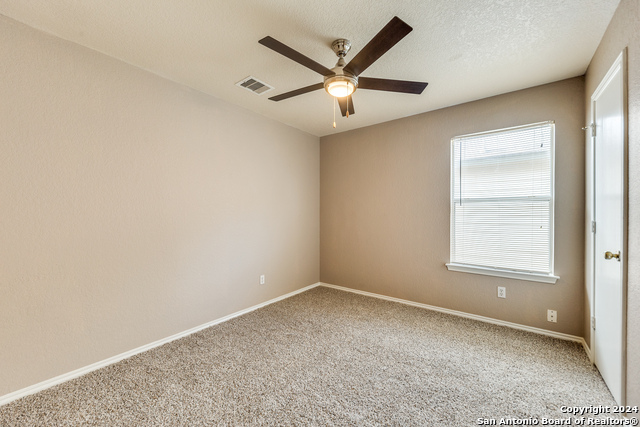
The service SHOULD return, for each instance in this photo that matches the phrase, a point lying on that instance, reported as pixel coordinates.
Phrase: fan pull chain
(347, 107)
(334, 112)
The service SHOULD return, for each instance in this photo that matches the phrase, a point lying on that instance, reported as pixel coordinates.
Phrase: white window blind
(502, 199)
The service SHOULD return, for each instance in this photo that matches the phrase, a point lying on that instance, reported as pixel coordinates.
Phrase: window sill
(487, 271)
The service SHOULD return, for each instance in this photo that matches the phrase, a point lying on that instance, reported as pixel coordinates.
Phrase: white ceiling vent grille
(254, 85)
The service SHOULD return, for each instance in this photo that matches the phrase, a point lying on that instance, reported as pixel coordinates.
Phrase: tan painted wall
(384, 215)
(133, 208)
(624, 31)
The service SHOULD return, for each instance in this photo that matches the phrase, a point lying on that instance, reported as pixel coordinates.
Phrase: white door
(610, 216)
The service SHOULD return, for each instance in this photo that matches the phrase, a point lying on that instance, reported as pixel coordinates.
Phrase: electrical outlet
(262, 279)
(552, 316)
(502, 292)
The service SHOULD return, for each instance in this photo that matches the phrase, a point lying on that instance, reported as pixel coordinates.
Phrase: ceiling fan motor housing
(341, 83)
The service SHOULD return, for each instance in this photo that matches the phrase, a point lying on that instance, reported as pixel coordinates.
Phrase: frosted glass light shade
(340, 88)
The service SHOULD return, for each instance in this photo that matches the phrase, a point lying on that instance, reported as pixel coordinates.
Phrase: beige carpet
(327, 357)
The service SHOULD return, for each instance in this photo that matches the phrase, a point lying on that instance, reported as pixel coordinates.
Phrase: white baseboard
(101, 364)
(588, 351)
(540, 331)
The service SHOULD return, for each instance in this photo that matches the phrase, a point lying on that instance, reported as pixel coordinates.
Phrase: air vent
(254, 85)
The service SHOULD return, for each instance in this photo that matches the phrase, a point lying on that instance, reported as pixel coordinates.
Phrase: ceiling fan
(343, 79)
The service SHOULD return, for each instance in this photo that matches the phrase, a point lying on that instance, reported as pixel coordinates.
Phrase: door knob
(609, 255)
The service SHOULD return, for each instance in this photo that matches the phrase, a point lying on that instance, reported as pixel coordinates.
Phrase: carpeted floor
(327, 357)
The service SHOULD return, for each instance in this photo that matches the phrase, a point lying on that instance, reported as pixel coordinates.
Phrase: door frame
(621, 64)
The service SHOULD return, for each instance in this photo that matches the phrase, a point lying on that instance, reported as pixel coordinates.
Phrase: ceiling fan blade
(294, 55)
(391, 34)
(297, 92)
(403, 86)
(342, 102)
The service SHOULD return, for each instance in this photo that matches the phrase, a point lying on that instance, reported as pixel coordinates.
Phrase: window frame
(497, 271)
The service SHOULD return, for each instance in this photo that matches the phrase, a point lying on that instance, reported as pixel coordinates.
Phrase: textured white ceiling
(465, 49)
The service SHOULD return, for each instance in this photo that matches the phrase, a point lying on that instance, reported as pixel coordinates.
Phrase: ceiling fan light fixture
(340, 86)
(340, 89)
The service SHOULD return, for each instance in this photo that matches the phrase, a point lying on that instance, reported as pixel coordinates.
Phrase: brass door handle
(609, 255)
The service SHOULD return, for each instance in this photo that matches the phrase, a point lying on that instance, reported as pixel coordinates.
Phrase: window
(502, 203)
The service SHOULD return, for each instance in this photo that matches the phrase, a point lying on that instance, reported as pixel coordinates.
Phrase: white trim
(511, 274)
(106, 362)
(7, 398)
(615, 67)
(540, 331)
(588, 351)
(552, 206)
(619, 65)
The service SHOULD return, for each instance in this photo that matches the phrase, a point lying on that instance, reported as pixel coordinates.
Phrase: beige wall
(384, 215)
(624, 31)
(133, 208)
